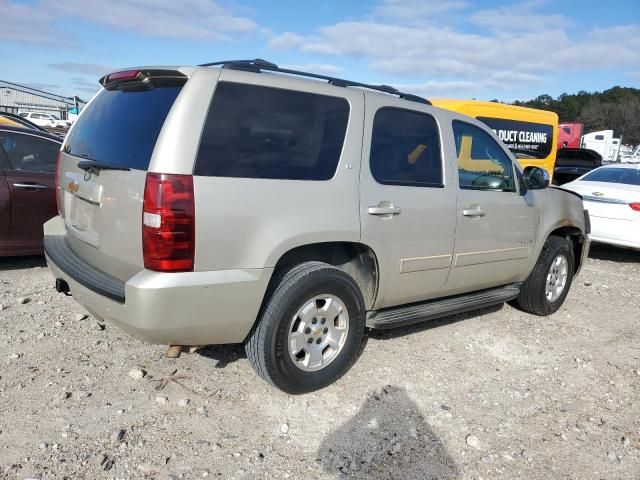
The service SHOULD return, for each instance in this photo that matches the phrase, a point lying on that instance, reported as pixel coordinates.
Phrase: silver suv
(239, 202)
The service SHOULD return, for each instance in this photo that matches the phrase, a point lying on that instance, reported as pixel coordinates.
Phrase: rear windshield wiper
(94, 166)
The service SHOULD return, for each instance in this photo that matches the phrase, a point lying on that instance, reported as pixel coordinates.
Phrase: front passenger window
(482, 164)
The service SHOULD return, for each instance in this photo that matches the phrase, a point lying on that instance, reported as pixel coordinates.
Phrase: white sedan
(611, 194)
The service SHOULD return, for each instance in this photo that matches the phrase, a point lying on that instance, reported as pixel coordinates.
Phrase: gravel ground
(493, 394)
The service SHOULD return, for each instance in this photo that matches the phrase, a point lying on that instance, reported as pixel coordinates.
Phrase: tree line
(616, 109)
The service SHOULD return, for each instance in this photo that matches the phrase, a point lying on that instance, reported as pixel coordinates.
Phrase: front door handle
(30, 186)
(383, 210)
(474, 211)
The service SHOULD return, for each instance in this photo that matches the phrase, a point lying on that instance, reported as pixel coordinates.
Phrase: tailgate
(102, 172)
(102, 215)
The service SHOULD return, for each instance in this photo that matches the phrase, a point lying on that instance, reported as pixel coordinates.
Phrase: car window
(122, 127)
(23, 114)
(29, 153)
(627, 176)
(405, 149)
(262, 132)
(482, 164)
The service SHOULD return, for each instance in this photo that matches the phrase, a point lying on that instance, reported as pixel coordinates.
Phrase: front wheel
(310, 328)
(544, 292)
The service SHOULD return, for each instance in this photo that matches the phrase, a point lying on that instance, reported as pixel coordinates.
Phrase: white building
(16, 98)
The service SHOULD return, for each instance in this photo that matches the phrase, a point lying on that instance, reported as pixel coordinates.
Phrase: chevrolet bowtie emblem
(598, 194)
(73, 186)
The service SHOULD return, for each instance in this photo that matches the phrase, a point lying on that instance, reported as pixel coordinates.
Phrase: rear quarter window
(122, 127)
(262, 132)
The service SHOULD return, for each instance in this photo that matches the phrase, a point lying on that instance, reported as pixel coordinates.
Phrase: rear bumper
(616, 242)
(194, 308)
(621, 233)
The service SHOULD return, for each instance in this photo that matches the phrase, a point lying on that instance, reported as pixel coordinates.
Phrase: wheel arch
(575, 236)
(356, 259)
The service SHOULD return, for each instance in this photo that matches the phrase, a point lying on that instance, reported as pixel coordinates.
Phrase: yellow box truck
(529, 133)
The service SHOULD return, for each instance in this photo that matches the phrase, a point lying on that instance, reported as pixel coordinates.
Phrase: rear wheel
(310, 328)
(544, 292)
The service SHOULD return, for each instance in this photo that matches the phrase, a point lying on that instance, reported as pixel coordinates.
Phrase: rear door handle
(383, 210)
(30, 186)
(474, 211)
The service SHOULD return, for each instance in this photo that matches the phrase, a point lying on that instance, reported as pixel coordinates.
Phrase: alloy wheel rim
(317, 332)
(557, 278)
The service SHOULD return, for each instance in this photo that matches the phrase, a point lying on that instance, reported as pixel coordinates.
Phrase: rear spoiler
(141, 79)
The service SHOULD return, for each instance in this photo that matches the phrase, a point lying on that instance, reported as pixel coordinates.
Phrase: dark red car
(27, 188)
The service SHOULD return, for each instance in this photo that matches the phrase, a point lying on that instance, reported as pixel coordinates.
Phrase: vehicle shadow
(387, 438)
(600, 251)
(227, 354)
(429, 324)
(223, 355)
(17, 263)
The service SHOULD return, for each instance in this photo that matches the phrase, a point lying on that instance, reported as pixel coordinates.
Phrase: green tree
(616, 109)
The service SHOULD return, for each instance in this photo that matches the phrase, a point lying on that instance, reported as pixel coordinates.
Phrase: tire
(534, 296)
(308, 292)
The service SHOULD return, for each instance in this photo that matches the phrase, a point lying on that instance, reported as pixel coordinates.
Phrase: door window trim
(442, 183)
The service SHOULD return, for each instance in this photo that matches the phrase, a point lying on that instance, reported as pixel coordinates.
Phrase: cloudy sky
(456, 48)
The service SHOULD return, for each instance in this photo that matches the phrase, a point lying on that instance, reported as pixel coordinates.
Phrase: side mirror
(536, 178)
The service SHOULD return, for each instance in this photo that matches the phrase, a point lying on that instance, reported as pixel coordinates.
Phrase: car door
(496, 226)
(30, 177)
(407, 208)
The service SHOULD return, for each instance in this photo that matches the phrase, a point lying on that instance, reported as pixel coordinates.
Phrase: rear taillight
(168, 223)
(57, 183)
(635, 206)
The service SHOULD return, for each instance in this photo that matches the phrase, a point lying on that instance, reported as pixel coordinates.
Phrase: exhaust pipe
(174, 351)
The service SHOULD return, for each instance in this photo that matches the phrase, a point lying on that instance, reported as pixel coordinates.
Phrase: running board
(420, 312)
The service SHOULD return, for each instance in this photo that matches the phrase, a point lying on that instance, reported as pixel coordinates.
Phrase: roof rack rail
(257, 65)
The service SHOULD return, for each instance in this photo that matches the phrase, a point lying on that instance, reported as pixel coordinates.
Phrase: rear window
(262, 132)
(122, 127)
(627, 176)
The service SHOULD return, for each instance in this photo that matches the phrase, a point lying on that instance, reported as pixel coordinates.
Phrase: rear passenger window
(405, 149)
(262, 132)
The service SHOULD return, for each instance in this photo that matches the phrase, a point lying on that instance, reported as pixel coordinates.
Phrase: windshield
(122, 127)
(627, 176)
